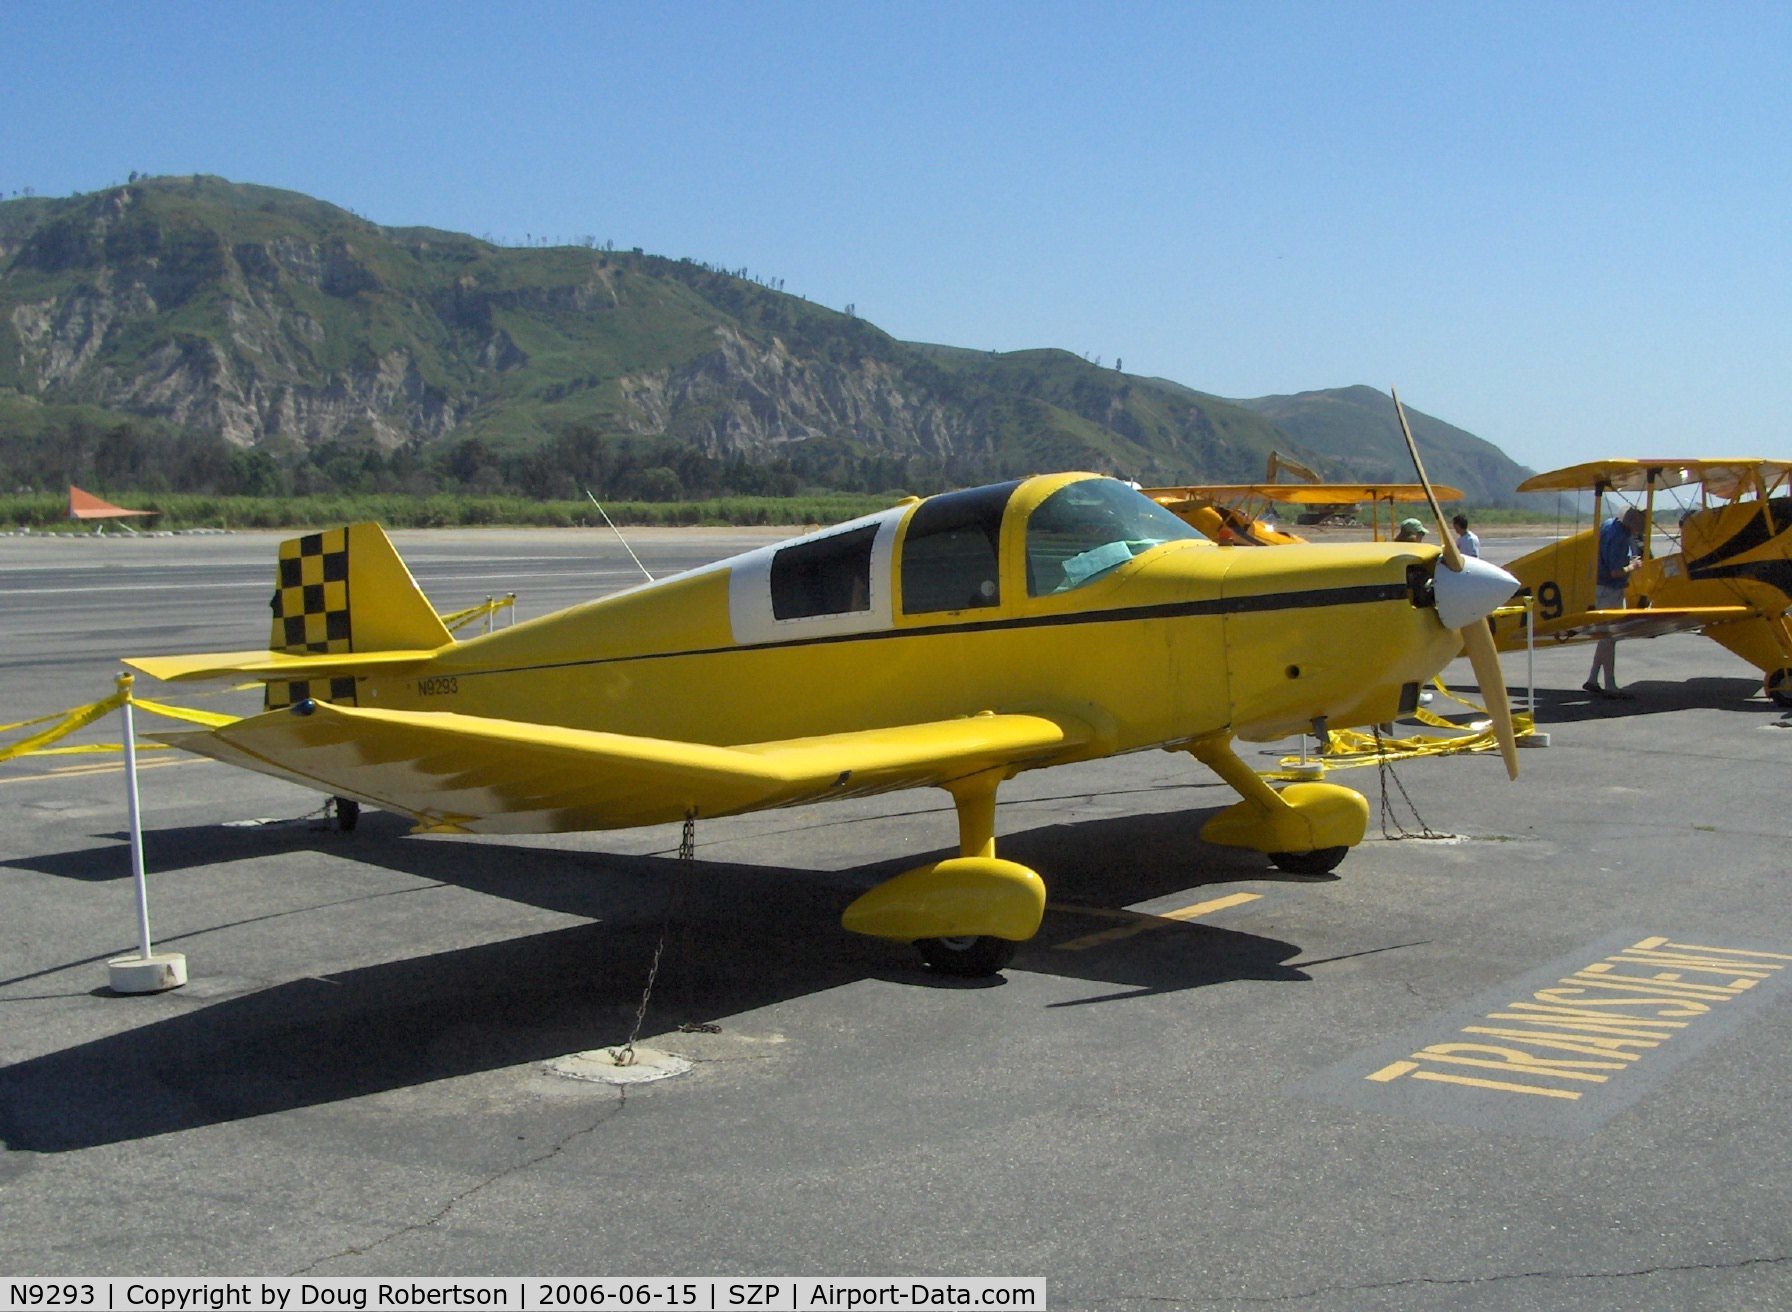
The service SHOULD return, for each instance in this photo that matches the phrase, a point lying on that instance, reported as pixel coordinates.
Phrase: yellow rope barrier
(459, 619)
(1349, 748)
(63, 723)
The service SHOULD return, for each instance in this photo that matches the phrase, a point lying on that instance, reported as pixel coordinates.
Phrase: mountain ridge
(284, 323)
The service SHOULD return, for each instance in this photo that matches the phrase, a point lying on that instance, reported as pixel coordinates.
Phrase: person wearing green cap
(1410, 531)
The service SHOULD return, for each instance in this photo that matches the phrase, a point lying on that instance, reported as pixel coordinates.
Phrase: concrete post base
(155, 973)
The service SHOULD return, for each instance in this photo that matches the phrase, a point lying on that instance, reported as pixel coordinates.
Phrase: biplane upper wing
(1722, 476)
(1303, 494)
(463, 773)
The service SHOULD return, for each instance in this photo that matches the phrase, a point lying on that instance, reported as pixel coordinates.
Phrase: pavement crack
(442, 1213)
(1447, 1282)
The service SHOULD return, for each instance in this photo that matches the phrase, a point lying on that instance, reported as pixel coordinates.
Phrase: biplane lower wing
(462, 773)
(1650, 622)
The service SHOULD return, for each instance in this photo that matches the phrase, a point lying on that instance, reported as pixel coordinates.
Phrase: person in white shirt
(1466, 542)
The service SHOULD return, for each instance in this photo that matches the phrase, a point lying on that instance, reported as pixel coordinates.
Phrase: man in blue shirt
(1620, 551)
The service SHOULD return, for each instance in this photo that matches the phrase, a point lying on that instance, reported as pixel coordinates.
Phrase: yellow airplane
(1730, 579)
(1218, 511)
(949, 642)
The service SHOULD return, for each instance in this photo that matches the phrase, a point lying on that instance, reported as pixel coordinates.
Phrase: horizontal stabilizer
(470, 773)
(273, 665)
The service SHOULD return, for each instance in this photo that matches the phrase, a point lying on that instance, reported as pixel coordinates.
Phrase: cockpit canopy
(1085, 529)
(949, 558)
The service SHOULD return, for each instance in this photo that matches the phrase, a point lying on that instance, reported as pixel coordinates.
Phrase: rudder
(340, 591)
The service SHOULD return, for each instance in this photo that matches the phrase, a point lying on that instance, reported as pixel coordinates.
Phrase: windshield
(1085, 529)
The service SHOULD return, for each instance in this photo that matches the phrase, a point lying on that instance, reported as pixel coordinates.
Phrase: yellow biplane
(949, 642)
(1730, 576)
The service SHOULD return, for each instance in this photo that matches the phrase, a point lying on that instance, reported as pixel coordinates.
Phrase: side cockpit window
(1085, 529)
(827, 576)
(950, 554)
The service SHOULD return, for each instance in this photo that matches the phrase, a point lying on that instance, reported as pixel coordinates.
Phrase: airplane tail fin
(345, 591)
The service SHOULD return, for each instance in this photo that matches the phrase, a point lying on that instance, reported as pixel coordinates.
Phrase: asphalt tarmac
(1536, 1061)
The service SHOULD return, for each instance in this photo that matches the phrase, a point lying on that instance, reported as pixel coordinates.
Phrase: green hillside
(1356, 436)
(296, 337)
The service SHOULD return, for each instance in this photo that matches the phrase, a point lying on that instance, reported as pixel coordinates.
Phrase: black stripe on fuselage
(1359, 594)
(1776, 573)
(1756, 531)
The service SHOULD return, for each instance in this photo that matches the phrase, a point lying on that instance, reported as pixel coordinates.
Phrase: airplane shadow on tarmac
(1648, 697)
(741, 937)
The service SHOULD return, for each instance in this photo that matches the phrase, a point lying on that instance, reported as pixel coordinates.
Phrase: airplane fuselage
(1181, 640)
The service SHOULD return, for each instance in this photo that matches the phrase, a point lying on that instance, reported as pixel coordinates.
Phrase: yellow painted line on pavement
(109, 767)
(1138, 922)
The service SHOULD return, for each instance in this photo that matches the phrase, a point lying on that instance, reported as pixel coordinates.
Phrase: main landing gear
(966, 915)
(1778, 686)
(972, 955)
(1321, 862)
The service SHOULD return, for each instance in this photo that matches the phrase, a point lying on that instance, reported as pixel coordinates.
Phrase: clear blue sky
(1566, 227)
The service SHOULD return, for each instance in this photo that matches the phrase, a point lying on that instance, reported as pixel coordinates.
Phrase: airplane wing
(1724, 477)
(464, 773)
(1303, 494)
(1651, 622)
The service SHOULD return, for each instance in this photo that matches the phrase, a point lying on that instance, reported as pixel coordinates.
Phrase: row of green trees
(152, 459)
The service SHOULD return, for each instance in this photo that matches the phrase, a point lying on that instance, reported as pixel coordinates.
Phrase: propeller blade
(1452, 554)
(1477, 638)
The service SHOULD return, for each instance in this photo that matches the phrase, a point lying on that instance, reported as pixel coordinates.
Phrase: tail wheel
(1318, 862)
(348, 813)
(1779, 687)
(971, 955)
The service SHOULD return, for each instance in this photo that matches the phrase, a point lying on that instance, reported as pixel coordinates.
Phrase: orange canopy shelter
(84, 505)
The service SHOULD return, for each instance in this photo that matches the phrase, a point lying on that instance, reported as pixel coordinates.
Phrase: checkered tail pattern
(311, 616)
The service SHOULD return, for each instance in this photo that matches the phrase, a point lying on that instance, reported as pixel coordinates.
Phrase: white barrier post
(148, 971)
(1530, 656)
(1533, 738)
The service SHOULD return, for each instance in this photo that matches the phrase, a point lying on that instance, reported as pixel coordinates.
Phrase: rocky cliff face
(125, 309)
(747, 394)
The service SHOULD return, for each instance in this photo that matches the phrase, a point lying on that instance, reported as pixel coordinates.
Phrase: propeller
(1477, 634)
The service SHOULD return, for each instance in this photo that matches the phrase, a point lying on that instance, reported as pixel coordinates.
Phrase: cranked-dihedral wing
(480, 775)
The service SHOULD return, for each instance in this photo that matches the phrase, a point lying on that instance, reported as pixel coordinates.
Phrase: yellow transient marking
(1140, 922)
(1594, 1024)
(1501, 1086)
